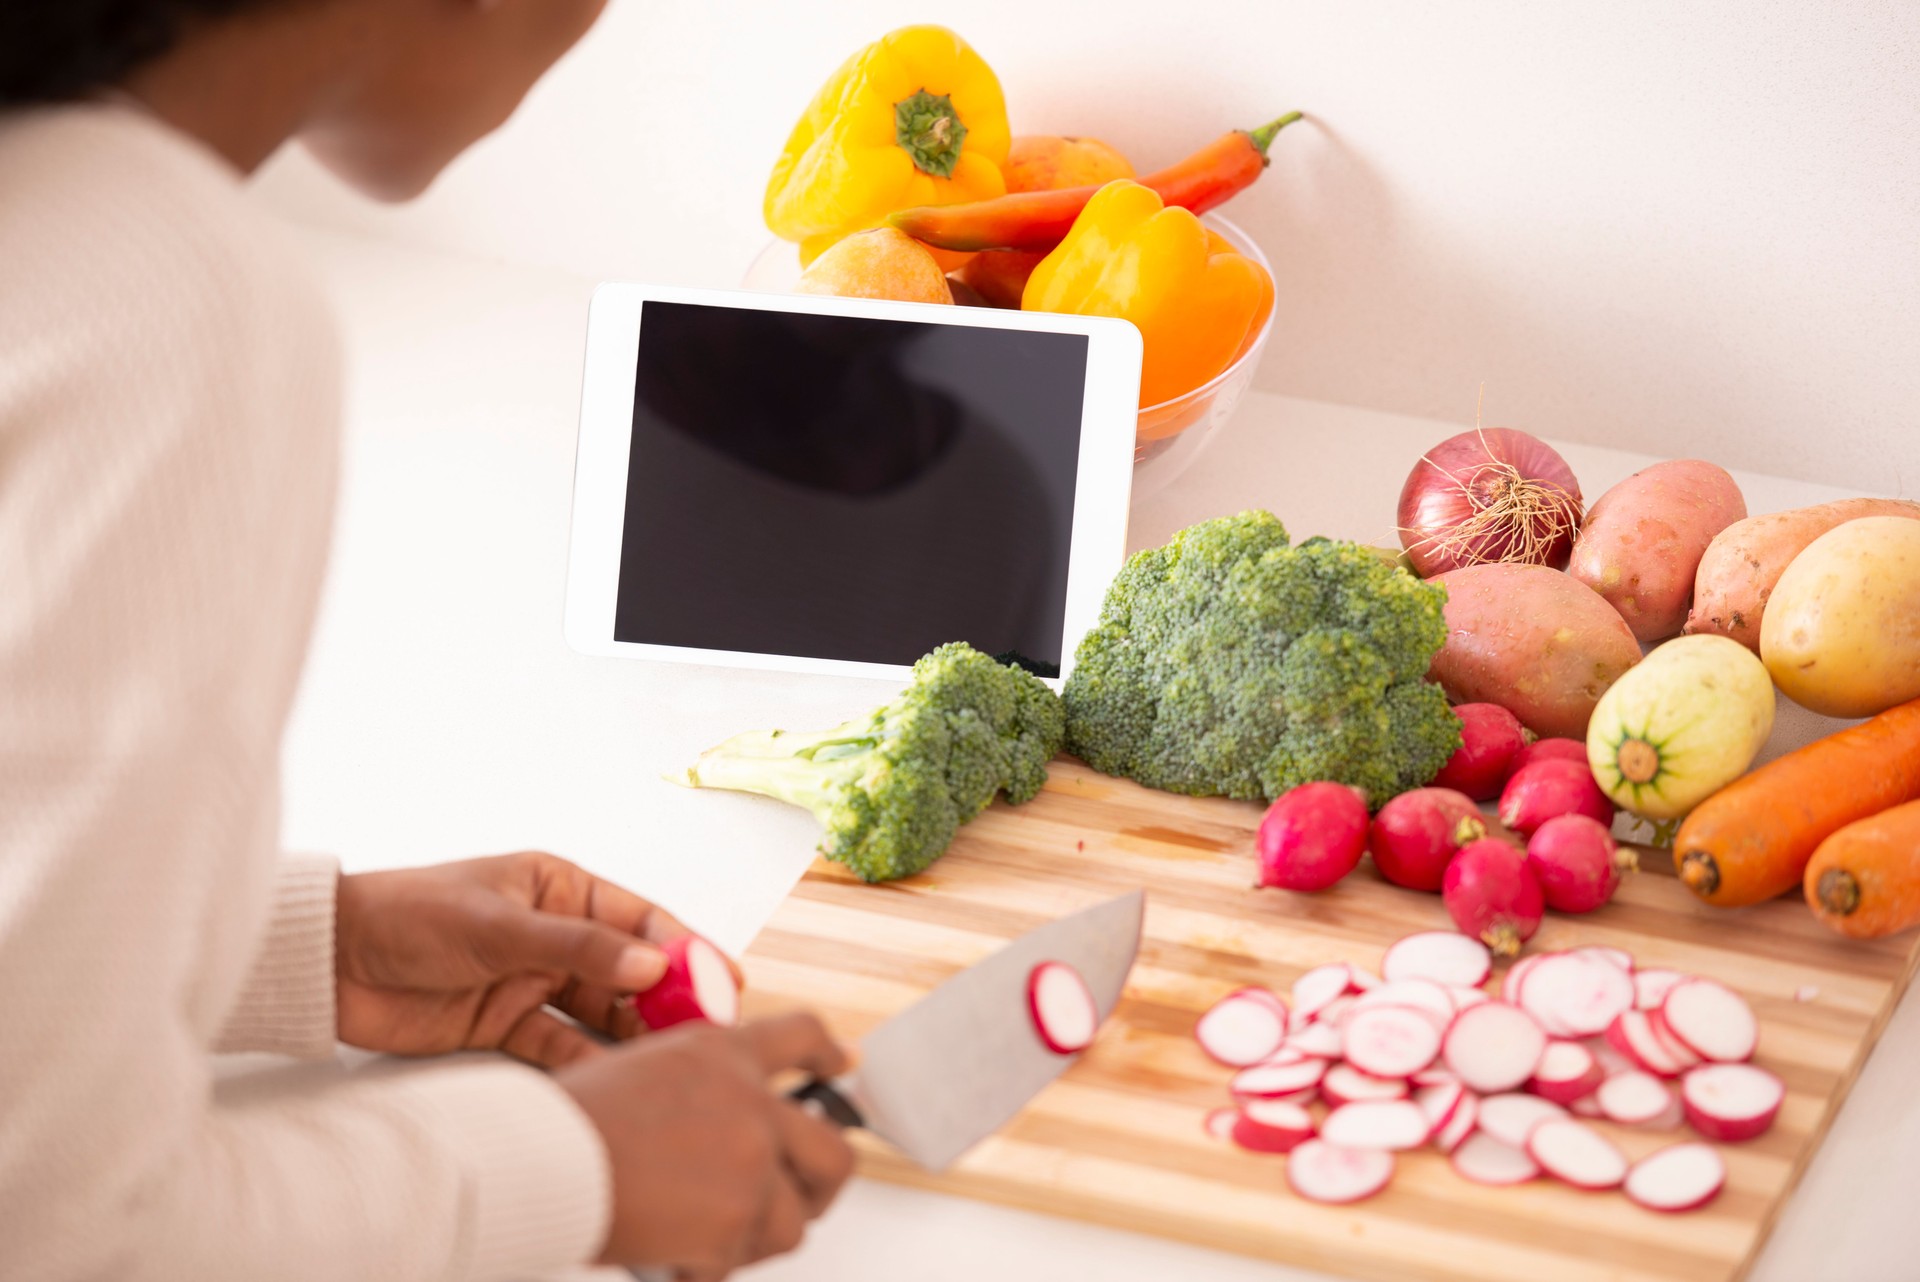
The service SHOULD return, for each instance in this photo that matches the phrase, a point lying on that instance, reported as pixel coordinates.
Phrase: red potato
(1548, 789)
(698, 985)
(1417, 834)
(1536, 641)
(1549, 750)
(1643, 541)
(1492, 895)
(1576, 862)
(1490, 736)
(1744, 562)
(1312, 836)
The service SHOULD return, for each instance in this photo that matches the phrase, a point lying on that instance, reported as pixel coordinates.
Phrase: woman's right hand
(712, 1170)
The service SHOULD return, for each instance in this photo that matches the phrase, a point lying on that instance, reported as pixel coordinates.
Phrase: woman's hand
(469, 955)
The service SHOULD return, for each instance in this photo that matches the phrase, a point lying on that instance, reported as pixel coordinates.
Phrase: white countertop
(443, 715)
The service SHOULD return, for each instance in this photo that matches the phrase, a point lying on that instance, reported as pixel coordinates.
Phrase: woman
(169, 391)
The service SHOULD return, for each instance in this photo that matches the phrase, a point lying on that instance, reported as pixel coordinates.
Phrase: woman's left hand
(469, 956)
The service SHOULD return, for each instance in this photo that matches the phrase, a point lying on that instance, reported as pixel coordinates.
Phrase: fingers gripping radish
(1271, 1126)
(1576, 862)
(1493, 1048)
(1323, 1172)
(1576, 1154)
(1390, 1041)
(1731, 1102)
(1064, 1012)
(1242, 1029)
(1486, 1160)
(1312, 836)
(1447, 959)
(1711, 1020)
(1682, 1177)
(1416, 835)
(1490, 736)
(698, 985)
(1493, 896)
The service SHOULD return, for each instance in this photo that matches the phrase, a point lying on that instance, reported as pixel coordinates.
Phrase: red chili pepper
(1036, 221)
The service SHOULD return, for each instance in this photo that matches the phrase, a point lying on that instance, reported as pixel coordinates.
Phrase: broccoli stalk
(892, 788)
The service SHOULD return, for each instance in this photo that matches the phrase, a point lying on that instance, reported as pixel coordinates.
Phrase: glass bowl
(1171, 434)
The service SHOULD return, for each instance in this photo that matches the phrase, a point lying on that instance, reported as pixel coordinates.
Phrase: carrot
(1864, 880)
(1036, 221)
(1752, 840)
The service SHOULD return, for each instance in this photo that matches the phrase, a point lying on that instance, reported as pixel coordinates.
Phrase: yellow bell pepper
(1196, 302)
(915, 118)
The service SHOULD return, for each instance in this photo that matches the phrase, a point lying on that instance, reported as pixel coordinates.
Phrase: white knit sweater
(169, 400)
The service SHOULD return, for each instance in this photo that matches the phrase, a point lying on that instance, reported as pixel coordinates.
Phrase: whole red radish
(1416, 835)
(1312, 836)
(1492, 895)
(1548, 789)
(1549, 750)
(698, 985)
(1576, 863)
(1490, 737)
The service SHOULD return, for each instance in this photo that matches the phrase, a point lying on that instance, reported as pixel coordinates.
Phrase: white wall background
(1680, 228)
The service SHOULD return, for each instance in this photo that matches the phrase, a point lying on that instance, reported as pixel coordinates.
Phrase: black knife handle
(837, 1108)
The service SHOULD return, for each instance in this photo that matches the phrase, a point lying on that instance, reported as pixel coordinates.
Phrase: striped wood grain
(1118, 1141)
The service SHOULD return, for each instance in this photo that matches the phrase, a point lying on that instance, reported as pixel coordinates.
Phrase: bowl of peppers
(903, 171)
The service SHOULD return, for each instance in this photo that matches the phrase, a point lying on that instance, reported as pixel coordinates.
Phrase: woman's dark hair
(54, 50)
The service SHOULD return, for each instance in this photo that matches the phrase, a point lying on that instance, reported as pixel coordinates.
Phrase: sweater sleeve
(168, 421)
(286, 1004)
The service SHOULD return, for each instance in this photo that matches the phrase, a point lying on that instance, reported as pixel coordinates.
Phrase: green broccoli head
(1231, 662)
(893, 787)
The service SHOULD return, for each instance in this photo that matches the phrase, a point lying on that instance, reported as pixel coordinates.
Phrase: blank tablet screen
(839, 487)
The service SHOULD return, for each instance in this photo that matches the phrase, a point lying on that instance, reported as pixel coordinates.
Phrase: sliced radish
(1390, 1124)
(1442, 956)
(1650, 987)
(1336, 1010)
(1219, 1122)
(1440, 1103)
(1712, 1020)
(1576, 1154)
(1576, 994)
(1323, 1172)
(1466, 1116)
(1271, 1080)
(1511, 1118)
(1676, 1050)
(1390, 1041)
(1241, 1029)
(698, 985)
(1510, 983)
(1632, 1035)
(1567, 1071)
(1587, 1106)
(1344, 1084)
(1268, 1126)
(1485, 1160)
(1364, 980)
(1417, 994)
(1464, 998)
(1321, 985)
(1064, 1012)
(1680, 1178)
(1321, 1038)
(1493, 1048)
(1435, 1075)
(1267, 995)
(1731, 1102)
(1634, 1098)
(1670, 1119)
(1618, 956)
(1611, 1061)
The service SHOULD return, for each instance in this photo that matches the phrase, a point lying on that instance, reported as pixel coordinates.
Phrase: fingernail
(640, 967)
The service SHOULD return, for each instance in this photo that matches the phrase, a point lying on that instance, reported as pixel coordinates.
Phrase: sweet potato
(1533, 640)
(1643, 540)
(1746, 560)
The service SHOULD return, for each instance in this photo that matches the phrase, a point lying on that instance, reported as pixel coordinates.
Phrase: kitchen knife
(955, 1066)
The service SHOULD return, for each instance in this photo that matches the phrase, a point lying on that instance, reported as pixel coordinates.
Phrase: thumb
(585, 949)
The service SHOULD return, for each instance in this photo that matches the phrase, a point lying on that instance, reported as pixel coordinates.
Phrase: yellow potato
(1841, 633)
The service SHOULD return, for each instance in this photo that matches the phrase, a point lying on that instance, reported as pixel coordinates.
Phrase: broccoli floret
(1230, 662)
(893, 787)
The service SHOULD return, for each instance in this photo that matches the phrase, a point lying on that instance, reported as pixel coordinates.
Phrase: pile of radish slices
(1356, 1068)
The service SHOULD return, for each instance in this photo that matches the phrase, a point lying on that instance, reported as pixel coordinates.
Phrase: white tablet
(840, 485)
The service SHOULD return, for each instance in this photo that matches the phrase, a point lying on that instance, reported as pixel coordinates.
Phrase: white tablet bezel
(1102, 487)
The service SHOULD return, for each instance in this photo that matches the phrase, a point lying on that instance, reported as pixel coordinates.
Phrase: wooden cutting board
(1117, 1139)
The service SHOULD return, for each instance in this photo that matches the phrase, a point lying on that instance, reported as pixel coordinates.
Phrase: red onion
(1492, 494)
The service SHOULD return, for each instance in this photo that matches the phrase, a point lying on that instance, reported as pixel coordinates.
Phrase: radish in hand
(1492, 895)
(1312, 836)
(1490, 736)
(1417, 834)
(1576, 862)
(1548, 789)
(698, 985)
